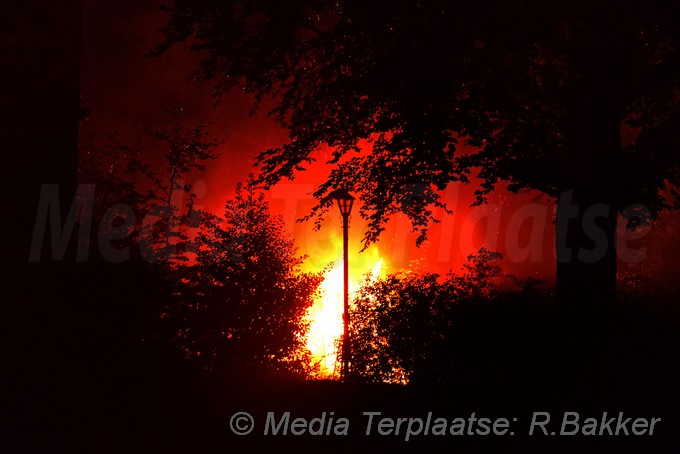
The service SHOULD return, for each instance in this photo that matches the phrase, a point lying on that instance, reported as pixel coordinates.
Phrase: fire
(325, 315)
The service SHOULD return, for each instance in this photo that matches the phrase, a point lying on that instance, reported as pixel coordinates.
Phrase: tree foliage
(238, 294)
(402, 325)
(532, 93)
(162, 201)
(240, 305)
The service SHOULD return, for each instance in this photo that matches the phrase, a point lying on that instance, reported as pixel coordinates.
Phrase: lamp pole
(345, 202)
(346, 347)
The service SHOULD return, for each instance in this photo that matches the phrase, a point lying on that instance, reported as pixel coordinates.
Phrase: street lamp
(345, 202)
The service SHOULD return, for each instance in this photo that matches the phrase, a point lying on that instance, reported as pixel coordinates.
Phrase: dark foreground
(76, 380)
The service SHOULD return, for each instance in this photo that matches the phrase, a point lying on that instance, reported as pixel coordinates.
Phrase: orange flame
(325, 315)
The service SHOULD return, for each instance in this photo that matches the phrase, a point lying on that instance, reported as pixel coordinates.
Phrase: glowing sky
(128, 93)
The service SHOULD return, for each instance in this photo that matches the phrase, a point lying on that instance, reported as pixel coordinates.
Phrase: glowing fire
(325, 315)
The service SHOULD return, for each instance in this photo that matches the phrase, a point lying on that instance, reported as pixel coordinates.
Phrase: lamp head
(345, 201)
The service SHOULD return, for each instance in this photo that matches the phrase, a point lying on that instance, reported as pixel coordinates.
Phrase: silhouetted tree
(238, 294)
(540, 91)
(240, 305)
(161, 201)
(186, 149)
(402, 324)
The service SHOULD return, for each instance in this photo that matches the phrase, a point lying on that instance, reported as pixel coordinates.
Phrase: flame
(325, 315)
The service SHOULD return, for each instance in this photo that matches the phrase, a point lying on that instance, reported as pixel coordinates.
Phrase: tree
(163, 202)
(240, 305)
(186, 149)
(413, 96)
(403, 325)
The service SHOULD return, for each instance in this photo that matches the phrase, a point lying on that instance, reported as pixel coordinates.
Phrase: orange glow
(325, 315)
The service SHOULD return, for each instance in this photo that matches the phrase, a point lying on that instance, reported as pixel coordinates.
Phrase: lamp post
(345, 202)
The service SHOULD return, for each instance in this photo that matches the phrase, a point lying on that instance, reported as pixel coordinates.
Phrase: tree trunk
(586, 249)
(588, 206)
(40, 99)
